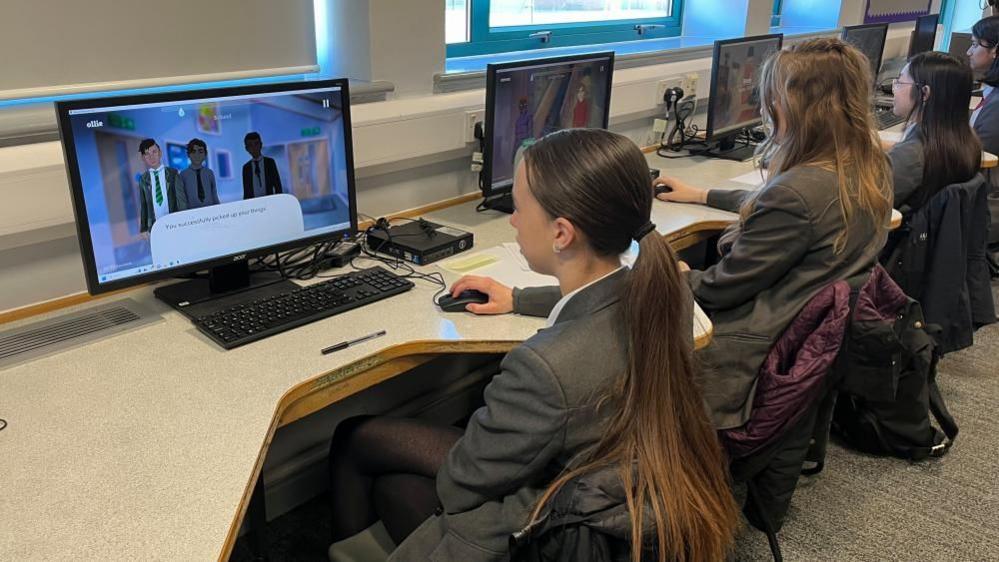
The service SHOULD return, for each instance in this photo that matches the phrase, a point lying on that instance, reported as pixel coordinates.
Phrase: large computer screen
(171, 183)
(925, 34)
(734, 102)
(870, 40)
(527, 100)
(960, 43)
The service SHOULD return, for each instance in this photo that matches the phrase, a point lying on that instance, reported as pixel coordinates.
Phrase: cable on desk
(682, 136)
(396, 264)
(308, 262)
(3, 424)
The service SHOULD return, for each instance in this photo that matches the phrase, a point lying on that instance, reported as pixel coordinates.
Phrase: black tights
(386, 468)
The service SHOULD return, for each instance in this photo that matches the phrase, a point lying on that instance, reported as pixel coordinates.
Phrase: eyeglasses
(895, 83)
(975, 43)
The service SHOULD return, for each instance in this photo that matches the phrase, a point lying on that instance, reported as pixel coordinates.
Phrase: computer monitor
(870, 40)
(526, 100)
(960, 43)
(734, 103)
(924, 35)
(173, 183)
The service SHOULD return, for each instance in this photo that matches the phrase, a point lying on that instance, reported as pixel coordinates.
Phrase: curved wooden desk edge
(691, 235)
(325, 389)
(320, 391)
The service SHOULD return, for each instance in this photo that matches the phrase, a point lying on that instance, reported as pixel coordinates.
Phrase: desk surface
(685, 224)
(893, 135)
(146, 445)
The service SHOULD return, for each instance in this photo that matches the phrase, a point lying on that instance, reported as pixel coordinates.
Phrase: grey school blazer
(539, 414)
(907, 170)
(987, 127)
(771, 265)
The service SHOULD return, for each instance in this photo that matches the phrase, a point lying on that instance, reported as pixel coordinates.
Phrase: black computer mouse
(662, 188)
(457, 304)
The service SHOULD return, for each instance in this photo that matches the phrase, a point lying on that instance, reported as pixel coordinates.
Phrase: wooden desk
(892, 136)
(147, 445)
(687, 224)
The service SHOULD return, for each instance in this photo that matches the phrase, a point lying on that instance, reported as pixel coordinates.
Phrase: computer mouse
(663, 188)
(457, 304)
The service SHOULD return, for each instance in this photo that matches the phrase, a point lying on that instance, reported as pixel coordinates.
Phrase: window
(456, 21)
(69, 78)
(478, 27)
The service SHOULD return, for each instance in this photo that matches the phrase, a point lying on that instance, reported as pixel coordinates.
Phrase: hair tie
(646, 228)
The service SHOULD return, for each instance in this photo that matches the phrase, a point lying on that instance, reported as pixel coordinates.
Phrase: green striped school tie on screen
(159, 190)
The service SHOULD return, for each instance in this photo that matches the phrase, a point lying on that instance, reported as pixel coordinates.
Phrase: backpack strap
(940, 412)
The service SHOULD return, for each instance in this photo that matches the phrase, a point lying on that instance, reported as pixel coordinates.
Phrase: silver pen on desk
(348, 343)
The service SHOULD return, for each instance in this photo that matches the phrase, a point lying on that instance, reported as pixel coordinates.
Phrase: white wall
(410, 151)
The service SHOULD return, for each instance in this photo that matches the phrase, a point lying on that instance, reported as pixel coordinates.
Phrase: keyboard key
(246, 322)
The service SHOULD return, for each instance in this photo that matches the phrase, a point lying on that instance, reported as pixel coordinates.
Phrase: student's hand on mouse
(500, 296)
(680, 192)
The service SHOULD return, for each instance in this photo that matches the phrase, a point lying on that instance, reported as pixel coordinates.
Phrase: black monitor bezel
(94, 286)
(884, 40)
(915, 33)
(486, 174)
(711, 135)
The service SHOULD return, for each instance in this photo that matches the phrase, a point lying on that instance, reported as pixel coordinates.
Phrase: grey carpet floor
(859, 508)
(872, 508)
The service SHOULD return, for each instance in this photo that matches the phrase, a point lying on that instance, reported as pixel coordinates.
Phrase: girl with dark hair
(985, 118)
(609, 383)
(821, 217)
(984, 62)
(938, 147)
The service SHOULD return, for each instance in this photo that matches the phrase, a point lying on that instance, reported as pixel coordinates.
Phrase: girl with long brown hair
(822, 216)
(609, 383)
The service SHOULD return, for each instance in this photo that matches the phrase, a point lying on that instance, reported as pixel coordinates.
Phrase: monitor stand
(225, 286)
(726, 149)
(502, 203)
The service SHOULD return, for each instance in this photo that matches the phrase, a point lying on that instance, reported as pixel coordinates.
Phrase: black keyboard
(885, 118)
(243, 323)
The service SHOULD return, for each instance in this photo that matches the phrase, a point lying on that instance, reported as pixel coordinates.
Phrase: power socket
(659, 126)
(690, 83)
(471, 118)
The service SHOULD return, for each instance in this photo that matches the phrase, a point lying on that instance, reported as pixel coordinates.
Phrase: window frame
(484, 40)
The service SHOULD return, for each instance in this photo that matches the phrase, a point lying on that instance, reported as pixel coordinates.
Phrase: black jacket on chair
(939, 258)
(587, 520)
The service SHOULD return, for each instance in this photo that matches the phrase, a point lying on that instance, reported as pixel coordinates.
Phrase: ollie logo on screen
(95, 123)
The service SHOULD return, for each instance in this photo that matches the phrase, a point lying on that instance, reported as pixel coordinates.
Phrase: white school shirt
(986, 91)
(163, 208)
(553, 316)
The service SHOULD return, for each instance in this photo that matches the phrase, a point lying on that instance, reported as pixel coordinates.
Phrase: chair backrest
(939, 258)
(793, 373)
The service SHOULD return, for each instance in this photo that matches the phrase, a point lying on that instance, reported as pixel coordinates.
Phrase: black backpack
(887, 378)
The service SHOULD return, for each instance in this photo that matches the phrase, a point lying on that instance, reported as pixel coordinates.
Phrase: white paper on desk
(627, 258)
(505, 268)
(514, 249)
(752, 178)
(508, 266)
